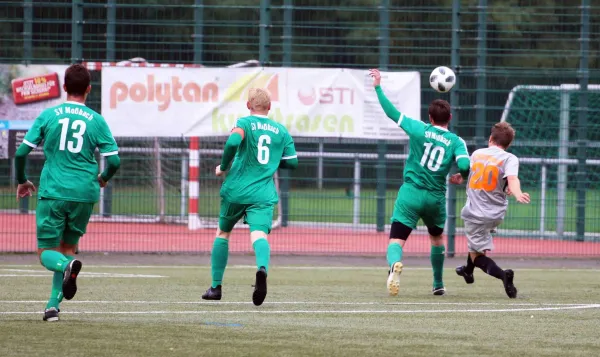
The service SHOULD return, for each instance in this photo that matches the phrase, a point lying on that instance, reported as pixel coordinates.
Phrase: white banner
(207, 101)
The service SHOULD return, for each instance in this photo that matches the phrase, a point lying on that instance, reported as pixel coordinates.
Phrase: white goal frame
(563, 138)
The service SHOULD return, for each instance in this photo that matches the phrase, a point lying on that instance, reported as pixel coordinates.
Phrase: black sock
(489, 267)
(470, 267)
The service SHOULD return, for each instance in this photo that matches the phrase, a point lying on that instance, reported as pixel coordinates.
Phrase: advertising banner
(25, 91)
(310, 102)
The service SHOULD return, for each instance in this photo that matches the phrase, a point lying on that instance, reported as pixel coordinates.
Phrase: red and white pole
(194, 183)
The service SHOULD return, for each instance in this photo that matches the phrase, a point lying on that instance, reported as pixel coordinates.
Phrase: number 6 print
(263, 150)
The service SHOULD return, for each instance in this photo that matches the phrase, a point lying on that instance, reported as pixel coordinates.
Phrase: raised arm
(410, 126)
(385, 103)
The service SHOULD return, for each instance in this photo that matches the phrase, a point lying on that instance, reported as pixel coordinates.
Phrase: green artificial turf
(308, 312)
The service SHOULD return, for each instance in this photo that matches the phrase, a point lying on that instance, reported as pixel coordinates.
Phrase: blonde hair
(259, 99)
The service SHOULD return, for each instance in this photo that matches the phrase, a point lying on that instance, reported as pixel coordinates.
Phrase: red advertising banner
(35, 89)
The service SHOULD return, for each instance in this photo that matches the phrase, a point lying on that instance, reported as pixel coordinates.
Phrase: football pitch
(150, 310)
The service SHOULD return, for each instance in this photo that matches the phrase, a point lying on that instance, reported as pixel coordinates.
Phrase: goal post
(531, 107)
(202, 160)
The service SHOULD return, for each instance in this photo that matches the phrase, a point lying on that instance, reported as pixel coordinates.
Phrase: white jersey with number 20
(486, 195)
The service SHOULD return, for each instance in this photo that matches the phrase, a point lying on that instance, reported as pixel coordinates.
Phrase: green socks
(394, 253)
(54, 261)
(262, 250)
(437, 263)
(218, 260)
(220, 253)
(56, 295)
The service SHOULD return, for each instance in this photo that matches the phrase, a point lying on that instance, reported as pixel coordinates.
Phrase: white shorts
(479, 238)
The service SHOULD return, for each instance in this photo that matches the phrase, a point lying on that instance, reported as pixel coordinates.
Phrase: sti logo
(238, 91)
(326, 95)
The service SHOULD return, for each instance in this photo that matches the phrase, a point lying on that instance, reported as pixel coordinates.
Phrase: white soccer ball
(442, 79)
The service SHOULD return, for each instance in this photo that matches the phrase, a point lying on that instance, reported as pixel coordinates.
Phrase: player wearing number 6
(257, 146)
(70, 183)
(492, 171)
(433, 151)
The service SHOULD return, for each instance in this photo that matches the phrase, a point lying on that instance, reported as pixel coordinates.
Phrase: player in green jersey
(432, 151)
(257, 146)
(70, 182)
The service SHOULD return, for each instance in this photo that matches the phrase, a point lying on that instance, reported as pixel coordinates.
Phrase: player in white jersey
(492, 171)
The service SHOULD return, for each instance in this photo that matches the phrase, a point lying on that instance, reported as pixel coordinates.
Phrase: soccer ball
(442, 79)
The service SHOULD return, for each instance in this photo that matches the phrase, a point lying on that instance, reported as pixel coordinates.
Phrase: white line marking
(383, 267)
(88, 274)
(289, 312)
(26, 270)
(217, 303)
(113, 275)
(288, 267)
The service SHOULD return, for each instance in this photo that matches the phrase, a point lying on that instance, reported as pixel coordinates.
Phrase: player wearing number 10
(258, 146)
(433, 151)
(69, 184)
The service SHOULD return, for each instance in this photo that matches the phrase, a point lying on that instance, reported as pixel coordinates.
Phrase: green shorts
(258, 216)
(58, 221)
(414, 203)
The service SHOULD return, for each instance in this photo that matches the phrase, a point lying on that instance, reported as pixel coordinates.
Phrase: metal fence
(529, 63)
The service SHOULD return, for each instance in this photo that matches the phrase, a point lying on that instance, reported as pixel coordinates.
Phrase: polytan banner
(26, 91)
(310, 102)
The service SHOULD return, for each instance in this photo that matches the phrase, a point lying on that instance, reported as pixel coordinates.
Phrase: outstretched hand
(25, 189)
(523, 198)
(376, 75)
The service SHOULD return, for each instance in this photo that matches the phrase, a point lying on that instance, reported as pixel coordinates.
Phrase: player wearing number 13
(257, 146)
(433, 151)
(70, 183)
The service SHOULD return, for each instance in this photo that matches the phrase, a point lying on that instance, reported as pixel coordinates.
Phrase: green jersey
(432, 150)
(266, 143)
(71, 132)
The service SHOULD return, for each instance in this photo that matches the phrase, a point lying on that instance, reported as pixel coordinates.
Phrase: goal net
(546, 121)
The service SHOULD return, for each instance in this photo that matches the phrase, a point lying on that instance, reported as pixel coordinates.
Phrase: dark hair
(439, 111)
(77, 79)
(502, 134)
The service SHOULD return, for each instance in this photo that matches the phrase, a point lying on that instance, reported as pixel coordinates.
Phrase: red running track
(17, 234)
